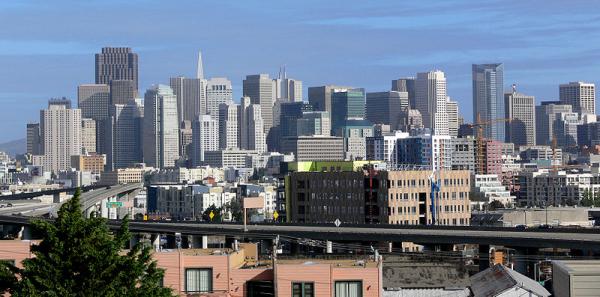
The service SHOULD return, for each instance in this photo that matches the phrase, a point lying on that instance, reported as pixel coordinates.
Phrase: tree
(235, 207)
(495, 204)
(217, 218)
(82, 257)
(587, 200)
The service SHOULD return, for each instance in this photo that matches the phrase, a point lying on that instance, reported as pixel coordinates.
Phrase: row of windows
(443, 195)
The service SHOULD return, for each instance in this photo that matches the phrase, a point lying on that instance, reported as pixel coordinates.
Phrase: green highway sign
(114, 204)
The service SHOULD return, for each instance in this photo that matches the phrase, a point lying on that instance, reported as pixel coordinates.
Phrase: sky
(47, 47)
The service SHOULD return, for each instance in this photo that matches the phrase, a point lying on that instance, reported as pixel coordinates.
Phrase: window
(303, 289)
(348, 289)
(198, 280)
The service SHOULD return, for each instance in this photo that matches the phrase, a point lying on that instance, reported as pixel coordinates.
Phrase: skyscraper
(161, 127)
(122, 91)
(430, 100)
(251, 128)
(218, 91)
(488, 101)
(186, 137)
(88, 136)
(314, 123)
(205, 131)
(405, 85)
(228, 126)
(33, 139)
(288, 118)
(545, 117)
(346, 104)
(60, 134)
(386, 107)
(520, 109)
(287, 89)
(124, 135)
(191, 97)
(320, 97)
(261, 90)
(452, 110)
(580, 95)
(94, 101)
(116, 63)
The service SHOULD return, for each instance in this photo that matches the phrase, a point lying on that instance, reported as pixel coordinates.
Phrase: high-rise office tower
(218, 91)
(320, 97)
(488, 101)
(405, 85)
(430, 100)
(205, 131)
(161, 127)
(122, 91)
(124, 135)
(185, 140)
(289, 115)
(520, 109)
(261, 90)
(116, 63)
(94, 101)
(33, 139)
(251, 128)
(314, 123)
(565, 130)
(191, 97)
(228, 126)
(386, 107)
(452, 110)
(346, 104)
(88, 136)
(60, 133)
(580, 95)
(411, 120)
(287, 89)
(545, 116)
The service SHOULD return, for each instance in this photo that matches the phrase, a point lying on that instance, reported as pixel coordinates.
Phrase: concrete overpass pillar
(155, 239)
(484, 257)
(204, 241)
(329, 247)
(25, 233)
(521, 263)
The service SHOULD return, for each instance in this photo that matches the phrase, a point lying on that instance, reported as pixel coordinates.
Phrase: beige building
(93, 163)
(123, 176)
(410, 201)
(314, 148)
(88, 135)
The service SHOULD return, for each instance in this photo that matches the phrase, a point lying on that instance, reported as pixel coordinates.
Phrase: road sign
(211, 215)
(114, 204)
(275, 215)
(337, 222)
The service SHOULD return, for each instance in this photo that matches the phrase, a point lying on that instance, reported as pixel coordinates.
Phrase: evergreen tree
(82, 257)
(217, 217)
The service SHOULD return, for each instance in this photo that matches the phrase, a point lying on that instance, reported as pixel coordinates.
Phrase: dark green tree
(495, 204)
(216, 212)
(80, 256)
(235, 207)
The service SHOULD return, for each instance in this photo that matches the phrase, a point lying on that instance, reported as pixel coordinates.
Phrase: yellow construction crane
(479, 139)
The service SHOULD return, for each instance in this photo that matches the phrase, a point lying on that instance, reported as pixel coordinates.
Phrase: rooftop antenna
(514, 88)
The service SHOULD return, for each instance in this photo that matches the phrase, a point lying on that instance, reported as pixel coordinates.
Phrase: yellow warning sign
(211, 215)
(275, 215)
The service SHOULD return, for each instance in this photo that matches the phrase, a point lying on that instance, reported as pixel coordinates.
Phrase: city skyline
(535, 56)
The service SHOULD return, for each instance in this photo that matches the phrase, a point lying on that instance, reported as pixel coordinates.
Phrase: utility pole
(274, 263)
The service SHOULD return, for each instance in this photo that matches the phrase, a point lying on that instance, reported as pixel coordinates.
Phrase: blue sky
(47, 47)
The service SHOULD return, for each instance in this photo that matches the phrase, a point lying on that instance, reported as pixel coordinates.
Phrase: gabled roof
(497, 279)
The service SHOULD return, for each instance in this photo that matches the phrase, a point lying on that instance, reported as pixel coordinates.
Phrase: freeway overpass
(434, 235)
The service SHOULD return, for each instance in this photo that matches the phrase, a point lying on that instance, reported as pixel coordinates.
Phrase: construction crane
(479, 138)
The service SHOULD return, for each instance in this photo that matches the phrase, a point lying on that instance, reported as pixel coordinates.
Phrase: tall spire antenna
(284, 72)
(200, 70)
(279, 75)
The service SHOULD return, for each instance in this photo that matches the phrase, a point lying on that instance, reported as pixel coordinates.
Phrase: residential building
(430, 100)
(60, 135)
(575, 277)
(116, 63)
(346, 104)
(191, 96)
(186, 202)
(93, 163)
(218, 91)
(124, 135)
(261, 91)
(410, 202)
(386, 107)
(314, 148)
(565, 128)
(501, 281)
(385, 148)
(488, 188)
(520, 109)
(183, 175)
(545, 118)
(541, 154)
(123, 176)
(463, 154)
(489, 161)
(355, 133)
(488, 101)
(406, 85)
(320, 97)
(204, 130)
(426, 150)
(545, 188)
(580, 95)
(229, 158)
(161, 127)
(228, 126)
